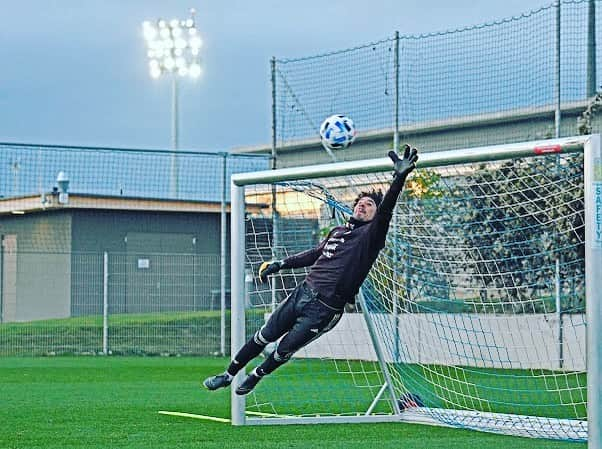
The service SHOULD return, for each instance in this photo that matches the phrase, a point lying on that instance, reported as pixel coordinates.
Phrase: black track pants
(301, 318)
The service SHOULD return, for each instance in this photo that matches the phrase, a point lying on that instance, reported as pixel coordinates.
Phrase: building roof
(50, 202)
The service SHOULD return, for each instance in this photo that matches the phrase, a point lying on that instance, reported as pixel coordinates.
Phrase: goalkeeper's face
(365, 209)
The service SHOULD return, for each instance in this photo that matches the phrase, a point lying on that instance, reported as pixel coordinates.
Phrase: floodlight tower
(173, 48)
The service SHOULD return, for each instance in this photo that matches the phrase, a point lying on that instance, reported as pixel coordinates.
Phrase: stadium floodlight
(173, 48)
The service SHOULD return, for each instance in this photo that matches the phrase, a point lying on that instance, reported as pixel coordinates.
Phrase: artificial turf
(113, 402)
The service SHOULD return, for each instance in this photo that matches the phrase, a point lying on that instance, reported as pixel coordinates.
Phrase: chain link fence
(526, 77)
(161, 216)
(111, 306)
(118, 251)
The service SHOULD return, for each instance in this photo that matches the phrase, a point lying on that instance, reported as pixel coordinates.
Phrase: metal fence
(30, 169)
(531, 69)
(130, 256)
(113, 303)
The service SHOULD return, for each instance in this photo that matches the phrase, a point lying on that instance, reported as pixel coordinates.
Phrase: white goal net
(475, 314)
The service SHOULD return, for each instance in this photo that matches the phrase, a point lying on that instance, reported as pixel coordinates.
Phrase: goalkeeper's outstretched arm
(299, 260)
(402, 167)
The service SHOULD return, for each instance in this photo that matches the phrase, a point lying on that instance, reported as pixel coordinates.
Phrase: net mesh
(477, 303)
(479, 85)
(162, 278)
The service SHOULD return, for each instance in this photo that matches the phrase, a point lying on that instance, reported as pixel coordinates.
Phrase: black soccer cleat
(215, 382)
(247, 385)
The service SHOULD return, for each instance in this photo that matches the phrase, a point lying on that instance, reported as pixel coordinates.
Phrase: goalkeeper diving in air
(339, 266)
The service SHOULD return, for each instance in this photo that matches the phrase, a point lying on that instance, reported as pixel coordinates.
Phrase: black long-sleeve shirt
(341, 262)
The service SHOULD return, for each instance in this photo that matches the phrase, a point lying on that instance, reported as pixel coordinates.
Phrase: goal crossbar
(433, 159)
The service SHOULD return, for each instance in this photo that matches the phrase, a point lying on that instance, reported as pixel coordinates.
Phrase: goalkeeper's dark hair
(377, 197)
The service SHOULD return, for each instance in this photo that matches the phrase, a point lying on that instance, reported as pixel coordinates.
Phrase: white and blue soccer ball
(337, 132)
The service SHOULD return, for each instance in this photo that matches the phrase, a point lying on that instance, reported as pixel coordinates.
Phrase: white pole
(593, 286)
(105, 304)
(380, 354)
(237, 293)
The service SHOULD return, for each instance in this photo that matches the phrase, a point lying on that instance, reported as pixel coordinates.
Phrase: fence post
(557, 115)
(1, 279)
(248, 287)
(105, 304)
(223, 259)
(591, 50)
(396, 68)
(273, 74)
(274, 163)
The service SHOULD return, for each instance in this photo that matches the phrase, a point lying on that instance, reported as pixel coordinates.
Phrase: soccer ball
(337, 132)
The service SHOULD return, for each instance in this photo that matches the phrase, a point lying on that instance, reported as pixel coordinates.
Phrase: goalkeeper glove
(403, 167)
(268, 268)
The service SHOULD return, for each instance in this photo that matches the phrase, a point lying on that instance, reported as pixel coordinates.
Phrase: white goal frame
(591, 148)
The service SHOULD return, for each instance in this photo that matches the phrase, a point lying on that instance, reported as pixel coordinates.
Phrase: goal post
(593, 276)
(475, 315)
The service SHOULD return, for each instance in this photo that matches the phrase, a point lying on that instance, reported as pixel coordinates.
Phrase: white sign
(598, 214)
(143, 263)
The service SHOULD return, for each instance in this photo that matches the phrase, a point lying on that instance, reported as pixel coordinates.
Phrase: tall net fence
(125, 258)
(476, 304)
(494, 83)
(199, 176)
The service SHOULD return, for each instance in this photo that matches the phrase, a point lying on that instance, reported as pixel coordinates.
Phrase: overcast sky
(74, 72)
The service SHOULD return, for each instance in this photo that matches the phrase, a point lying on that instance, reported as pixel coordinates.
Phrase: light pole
(173, 48)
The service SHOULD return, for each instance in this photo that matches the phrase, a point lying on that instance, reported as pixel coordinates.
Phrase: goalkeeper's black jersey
(341, 262)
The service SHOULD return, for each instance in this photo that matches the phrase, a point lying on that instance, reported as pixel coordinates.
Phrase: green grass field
(195, 333)
(112, 402)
